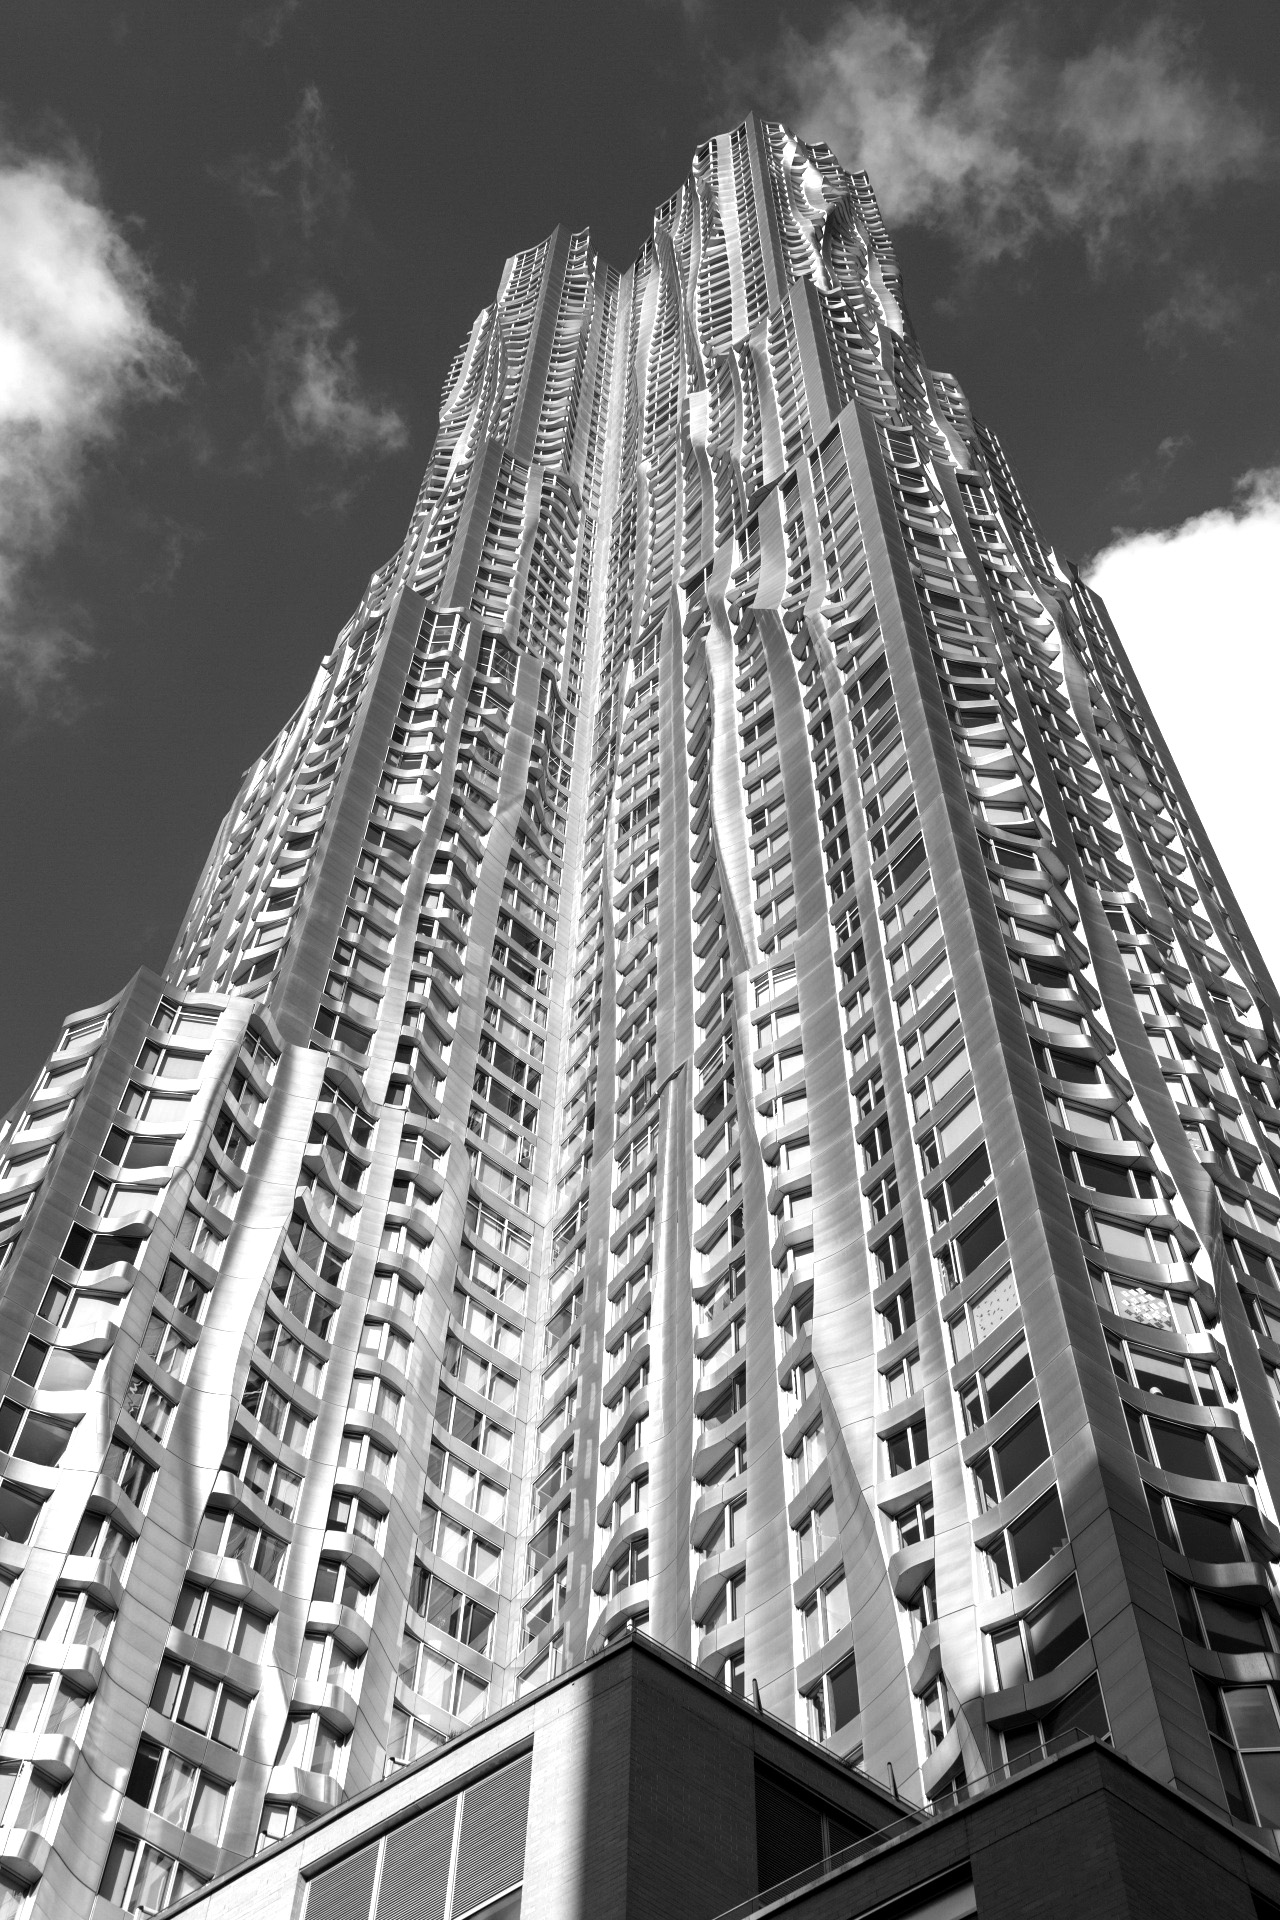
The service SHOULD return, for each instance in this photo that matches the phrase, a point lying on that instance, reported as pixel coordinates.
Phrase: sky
(240, 243)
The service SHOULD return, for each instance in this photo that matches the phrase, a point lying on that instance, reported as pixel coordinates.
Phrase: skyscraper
(711, 1080)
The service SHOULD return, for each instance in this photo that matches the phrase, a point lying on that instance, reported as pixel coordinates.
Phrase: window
(898, 1314)
(479, 1374)
(1225, 1623)
(45, 1704)
(825, 1615)
(463, 1484)
(99, 1538)
(908, 1448)
(1022, 1549)
(338, 1585)
(1199, 1533)
(810, 1454)
(914, 1524)
(632, 1568)
(347, 1514)
(458, 1546)
(983, 1315)
(943, 1140)
(1173, 1375)
(185, 1795)
(132, 1472)
(1037, 1644)
(936, 1714)
(930, 1034)
(292, 1356)
(360, 1453)
(1183, 1450)
(326, 1663)
(184, 1290)
(264, 1475)
(28, 1803)
(37, 1437)
(994, 1385)
(220, 1622)
(265, 1403)
(890, 1254)
(206, 1705)
(443, 1683)
(311, 1746)
(969, 1178)
(369, 1394)
(143, 1879)
(1103, 1175)
(165, 1063)
(1081, 1712)
(1244, 1727)
(76, 1619)
(1127, 1241)
(834, 1702)
(226, 1535)
(937, 1085)
(1151, 1306)
(145, 1403)
(1010, 1460)
(472, 1429)
(959, 1259)
(488, 1326)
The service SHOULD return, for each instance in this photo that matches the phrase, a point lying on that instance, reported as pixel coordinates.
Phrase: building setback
(711, 1082)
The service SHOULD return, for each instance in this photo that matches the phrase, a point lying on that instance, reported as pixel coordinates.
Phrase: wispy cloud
(1204, 304)
(1198, 596)
(266, 24)
(79, 343)
(314, 388)
(300, 199)
(300, 202)
(998, 144)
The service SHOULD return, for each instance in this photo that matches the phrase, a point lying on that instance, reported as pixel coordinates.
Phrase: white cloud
(314, 387)
(1197, 609)
(78, 343)
(1000, 143)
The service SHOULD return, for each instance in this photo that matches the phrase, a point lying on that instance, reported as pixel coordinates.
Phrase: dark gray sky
(240, 243)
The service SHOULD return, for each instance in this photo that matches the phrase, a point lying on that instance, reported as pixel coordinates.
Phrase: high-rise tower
(711, 1080)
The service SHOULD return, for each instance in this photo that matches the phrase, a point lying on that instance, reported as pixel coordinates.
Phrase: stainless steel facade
(711, 1079)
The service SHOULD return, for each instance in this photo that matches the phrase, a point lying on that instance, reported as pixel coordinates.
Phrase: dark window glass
(1037, 1535)
(146, 1765)
(1055, 1630)
(843, 1684)
(1206, 1536)
(788, 1832)
(980, 1240)
(1181, 1451)
(1021, 1451)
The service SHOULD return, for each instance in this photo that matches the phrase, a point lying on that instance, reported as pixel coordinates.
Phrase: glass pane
(1021, 1451)
(842, 1686)
(1037, 1535)
(1253, 1716)
(1056, 1630)
(1206, 1536)
(1011, 1665)
(1181, 1451)
(173, 1795)
(233, 1714)
(837, 1603)
(1263, 1770)
(1007, 1376)
(219, 1622)
(1233, 1629)
(198, 1702)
